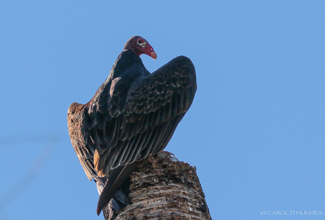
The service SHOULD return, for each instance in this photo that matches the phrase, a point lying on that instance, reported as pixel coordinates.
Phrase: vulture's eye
(141, 43)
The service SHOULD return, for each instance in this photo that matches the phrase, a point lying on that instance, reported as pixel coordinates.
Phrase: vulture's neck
(125, 61)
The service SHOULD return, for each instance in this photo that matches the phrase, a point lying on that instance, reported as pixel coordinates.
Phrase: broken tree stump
(162, 187)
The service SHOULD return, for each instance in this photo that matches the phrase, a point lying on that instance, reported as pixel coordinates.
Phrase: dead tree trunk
(162, 187)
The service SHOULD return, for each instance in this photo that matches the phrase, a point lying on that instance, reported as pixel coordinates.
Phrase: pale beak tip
(153, 55)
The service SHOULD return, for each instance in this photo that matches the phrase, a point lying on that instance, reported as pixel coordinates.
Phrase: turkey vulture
(132, 115)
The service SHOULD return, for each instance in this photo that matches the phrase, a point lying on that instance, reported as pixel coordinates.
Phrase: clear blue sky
(255, 131)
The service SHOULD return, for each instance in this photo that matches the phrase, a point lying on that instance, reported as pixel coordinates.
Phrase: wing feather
(148, 147)
(132, 148)
(135, 154)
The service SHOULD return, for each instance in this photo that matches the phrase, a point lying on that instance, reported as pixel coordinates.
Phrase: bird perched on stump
(132, 115)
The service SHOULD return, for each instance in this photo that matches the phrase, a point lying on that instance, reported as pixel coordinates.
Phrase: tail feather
(115, 180)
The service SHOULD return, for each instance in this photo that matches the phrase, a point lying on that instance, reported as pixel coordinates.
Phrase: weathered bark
(162, 187)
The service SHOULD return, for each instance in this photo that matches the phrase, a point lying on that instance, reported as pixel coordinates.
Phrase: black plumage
(132, 115)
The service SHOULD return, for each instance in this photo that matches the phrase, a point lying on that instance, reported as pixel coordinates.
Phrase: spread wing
(130, 118)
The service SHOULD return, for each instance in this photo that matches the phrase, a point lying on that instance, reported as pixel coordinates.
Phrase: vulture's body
(132, 115)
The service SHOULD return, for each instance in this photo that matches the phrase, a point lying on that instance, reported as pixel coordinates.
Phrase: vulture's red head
(140, 46)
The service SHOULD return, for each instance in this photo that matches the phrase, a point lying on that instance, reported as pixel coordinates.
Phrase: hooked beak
(153, 55)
